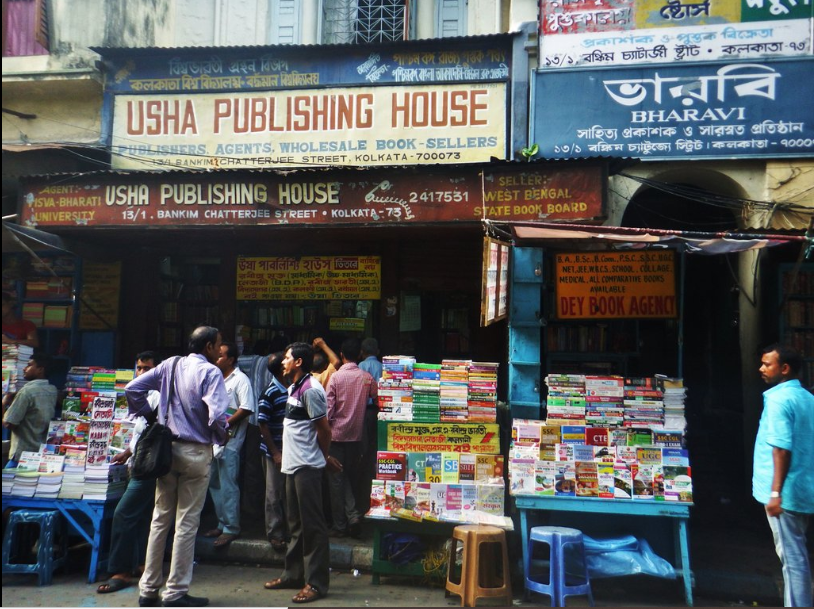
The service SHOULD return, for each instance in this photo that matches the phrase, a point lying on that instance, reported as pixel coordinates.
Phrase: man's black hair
(146, 355)
(43, 360)
(305, 352)
(202, 336)
(351, 348)
(231, 350)
(786, 354)
(275, 364)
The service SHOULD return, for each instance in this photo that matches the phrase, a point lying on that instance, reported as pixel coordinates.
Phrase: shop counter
(677, 513)
(90, 519)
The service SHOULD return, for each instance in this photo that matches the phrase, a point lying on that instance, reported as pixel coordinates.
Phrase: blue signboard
(711, 110)
(268, 68)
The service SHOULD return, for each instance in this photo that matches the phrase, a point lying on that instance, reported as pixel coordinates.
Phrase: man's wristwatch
(775, 495)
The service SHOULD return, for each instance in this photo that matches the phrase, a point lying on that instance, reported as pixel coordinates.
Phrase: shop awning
(620, 237)
(18, 238)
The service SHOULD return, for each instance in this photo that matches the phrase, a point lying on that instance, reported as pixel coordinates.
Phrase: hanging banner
(613, 285)
(309, 278)
(482, 438)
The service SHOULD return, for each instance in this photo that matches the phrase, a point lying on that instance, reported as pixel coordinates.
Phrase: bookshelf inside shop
(601, 347)
(190, 291)
(797, 313)
(47, 290)
(303, 320)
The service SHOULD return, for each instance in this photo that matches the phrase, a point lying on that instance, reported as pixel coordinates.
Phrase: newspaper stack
(565, 404)
(674, 396)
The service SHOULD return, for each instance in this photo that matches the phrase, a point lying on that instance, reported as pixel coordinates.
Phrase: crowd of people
(311, 415)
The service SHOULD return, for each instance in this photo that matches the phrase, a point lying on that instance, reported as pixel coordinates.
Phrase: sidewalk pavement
(731, 565)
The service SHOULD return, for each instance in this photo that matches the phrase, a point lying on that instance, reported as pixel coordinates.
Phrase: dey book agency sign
(616, 285)
(674, 112)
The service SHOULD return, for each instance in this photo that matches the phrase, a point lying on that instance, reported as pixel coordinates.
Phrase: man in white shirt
(223, 485)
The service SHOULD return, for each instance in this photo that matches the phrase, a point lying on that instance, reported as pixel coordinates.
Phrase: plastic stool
(557, 587)
(480, 565)
(50, 522)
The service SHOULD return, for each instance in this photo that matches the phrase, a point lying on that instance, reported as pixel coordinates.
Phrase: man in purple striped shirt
(197, 419)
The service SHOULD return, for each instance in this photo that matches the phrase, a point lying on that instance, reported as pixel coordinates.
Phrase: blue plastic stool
(557, 587)
(50, 522)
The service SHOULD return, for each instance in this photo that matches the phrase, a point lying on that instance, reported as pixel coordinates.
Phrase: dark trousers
(131, 526)
(308, 556)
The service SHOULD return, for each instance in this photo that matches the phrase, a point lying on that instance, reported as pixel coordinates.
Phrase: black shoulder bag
(153, 456)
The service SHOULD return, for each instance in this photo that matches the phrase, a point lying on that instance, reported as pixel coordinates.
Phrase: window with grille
(25, 28)
(365, 21)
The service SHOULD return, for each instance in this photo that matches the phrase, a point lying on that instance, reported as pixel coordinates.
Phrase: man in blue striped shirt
(197, 419)
(270, 416)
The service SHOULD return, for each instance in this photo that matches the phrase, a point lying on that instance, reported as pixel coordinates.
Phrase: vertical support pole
(682, 274)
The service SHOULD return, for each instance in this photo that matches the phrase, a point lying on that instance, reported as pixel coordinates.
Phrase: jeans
(275, 501)
(131, 525)
(343, 484)
(789, 531)
(225, 491)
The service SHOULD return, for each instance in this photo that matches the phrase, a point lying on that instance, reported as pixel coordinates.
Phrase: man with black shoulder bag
(193, 407)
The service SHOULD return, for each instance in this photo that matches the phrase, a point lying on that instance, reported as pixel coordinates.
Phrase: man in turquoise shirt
(783, 476)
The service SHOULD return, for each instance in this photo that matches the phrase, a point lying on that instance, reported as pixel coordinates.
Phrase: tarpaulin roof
(620, 237)
(18, 238)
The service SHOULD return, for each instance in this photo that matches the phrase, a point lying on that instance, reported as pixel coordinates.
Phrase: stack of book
(15, 359)
(674, 395)
(50, 479)
(604, 397)
(565, 404)
(482, 396)
(426, 393)
(104, 380)
(27, 474)
(454, 392)
(57, 316)
(8, 480)
(644, 405)
(33, 312)
(396, 388)
(73, 479)
(104, 481)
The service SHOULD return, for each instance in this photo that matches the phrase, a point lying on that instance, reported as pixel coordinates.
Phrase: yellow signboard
(101, 282)
(309, 278)
(597, 285)
(479, 438)
(346, 324)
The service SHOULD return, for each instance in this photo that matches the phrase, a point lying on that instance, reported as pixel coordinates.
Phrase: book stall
(441, 463)
(72, 471)
(609, 445)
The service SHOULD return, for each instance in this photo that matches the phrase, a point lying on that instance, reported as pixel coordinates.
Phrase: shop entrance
(711, 354)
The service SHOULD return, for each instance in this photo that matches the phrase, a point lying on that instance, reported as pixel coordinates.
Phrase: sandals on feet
(114, 584)
(213, 533)
(306, 595)
(278, 545)
(281, 584)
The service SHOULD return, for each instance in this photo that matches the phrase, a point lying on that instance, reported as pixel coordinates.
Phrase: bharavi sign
(597, 285)
(741, 109)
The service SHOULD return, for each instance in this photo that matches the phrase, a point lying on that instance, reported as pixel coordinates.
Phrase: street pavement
(230, 585)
